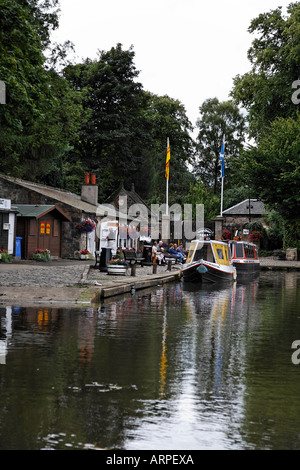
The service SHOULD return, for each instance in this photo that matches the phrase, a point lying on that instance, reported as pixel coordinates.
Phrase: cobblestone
(41, 276)
(62, 274)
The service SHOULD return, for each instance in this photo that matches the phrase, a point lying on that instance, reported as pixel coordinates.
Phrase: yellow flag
(167, 172)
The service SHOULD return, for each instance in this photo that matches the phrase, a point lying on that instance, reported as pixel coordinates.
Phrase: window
(249, 251)
(201, 254)
(239, 250)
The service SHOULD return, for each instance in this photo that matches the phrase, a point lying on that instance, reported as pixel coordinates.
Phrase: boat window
(201, 254)
(249, 252)
(221, 254)
(239, 251)
(191, 252)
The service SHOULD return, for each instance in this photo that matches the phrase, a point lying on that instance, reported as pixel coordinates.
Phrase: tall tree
(39, 115)
(218, 120)
(274, 166)
(266, 91)
(166, 118)
(112, 136)
(125, 135)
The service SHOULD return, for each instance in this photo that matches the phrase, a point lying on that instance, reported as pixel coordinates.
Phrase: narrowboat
(244, 257)
(208, 261)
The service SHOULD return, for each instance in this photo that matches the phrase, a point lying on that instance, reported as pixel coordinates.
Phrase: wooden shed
(40, 226)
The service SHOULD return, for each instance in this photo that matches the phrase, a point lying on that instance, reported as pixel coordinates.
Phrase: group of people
(161, 250)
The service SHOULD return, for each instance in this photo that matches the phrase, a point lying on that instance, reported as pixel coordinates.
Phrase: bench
(132, 257)
(169, 257)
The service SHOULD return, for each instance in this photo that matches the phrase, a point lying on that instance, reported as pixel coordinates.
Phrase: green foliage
(166, 117)
(218, 120)
(112, 135)
(235, 194)
(275, 229)
(291, 237)
(41, 113)
(199, 193)
(274, 166)
(124, 137)
(41, 255)
(266, 90)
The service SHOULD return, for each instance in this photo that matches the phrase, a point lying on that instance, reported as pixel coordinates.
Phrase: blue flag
(222, 161)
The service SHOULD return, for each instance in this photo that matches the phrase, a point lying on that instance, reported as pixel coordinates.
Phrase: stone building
(236, 217)
(46, 213)
(249, 210)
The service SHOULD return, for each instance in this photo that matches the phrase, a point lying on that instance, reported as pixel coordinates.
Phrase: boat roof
(207, 242)
(242, 241)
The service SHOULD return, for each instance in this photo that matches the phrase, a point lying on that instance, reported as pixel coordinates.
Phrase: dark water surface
(167, 368)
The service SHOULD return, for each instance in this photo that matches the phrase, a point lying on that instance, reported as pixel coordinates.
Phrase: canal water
(167, 368)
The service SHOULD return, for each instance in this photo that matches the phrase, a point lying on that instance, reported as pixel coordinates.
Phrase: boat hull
(246, 267)
(208, 273)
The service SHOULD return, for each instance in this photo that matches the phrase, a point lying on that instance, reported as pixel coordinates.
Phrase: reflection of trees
(271, 415)
(101, 374)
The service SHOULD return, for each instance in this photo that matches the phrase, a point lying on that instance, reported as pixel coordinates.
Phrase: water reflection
(5, 332)
(168, 368)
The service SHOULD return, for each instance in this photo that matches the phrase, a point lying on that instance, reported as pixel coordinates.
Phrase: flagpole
(167, 184)
(222, 173)
(222, 187)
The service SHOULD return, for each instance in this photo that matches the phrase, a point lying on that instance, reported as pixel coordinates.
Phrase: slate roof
(38, 210)
(132, 198)
(242, 208)
(60, 195)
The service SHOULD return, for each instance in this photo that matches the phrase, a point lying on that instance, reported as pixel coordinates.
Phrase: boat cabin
(211, 251)
(243, 250)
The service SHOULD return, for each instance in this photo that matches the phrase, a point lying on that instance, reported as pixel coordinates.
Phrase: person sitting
(162, 244)
(159, 252)
(154, 252)
(179, 249)
(175, 253)
(160, 256)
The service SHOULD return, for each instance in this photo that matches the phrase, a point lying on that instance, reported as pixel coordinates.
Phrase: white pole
(222, 177)
(222, 196)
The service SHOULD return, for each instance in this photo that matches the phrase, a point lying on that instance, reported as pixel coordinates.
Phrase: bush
(5, 257)
(41, 255)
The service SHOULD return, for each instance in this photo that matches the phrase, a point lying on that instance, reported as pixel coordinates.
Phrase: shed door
(49, 234)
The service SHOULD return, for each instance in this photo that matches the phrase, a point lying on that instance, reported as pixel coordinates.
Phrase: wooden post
(154, 265)
(133, 269)
(169, 265)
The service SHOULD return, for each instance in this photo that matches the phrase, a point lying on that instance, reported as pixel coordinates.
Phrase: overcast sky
(189, 50)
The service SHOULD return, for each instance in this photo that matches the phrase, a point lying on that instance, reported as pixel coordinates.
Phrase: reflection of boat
(208, 261)
(244, 257)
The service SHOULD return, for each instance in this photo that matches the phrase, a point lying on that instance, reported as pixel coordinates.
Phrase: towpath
(71, 281)
(77, 282)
